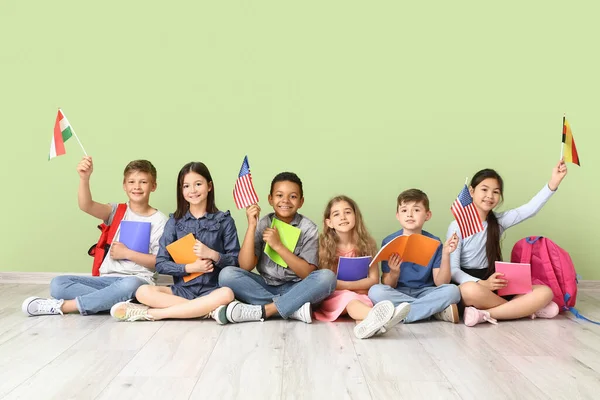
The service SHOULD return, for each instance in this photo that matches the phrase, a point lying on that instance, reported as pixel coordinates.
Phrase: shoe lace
(50, 306)
(251, 313)
(137, 313)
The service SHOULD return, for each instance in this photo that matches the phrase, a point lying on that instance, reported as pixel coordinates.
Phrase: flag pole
(78, 141)
(74, 134)
(466, 180)
(562, 145)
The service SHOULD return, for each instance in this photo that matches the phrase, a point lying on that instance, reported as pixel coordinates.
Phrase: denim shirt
(216, 231)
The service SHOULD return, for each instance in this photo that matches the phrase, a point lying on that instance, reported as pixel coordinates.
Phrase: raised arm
(84, 194)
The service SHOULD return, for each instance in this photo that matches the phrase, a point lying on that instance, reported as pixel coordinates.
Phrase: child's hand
(494, 282)
(394, 262)
(85, 167)
(252, 213)
(203, 251)
(558, 174)
(118, 251)
(271, 236)
(200, 265)
(451, 244)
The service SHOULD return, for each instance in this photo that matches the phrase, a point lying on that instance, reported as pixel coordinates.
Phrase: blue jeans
(94, 294)
(289, 297)
(424, 302)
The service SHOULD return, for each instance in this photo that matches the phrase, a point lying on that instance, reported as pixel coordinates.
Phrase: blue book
(353, 268)
(136, 235)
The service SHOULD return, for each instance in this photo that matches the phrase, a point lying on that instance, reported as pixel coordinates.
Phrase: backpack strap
(576, 313)
(116, 221)
(526, 254)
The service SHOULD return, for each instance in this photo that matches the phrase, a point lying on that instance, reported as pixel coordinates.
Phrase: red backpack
(100, 249)
(551, 266)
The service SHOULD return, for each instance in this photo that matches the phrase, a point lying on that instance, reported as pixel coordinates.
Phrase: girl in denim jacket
(216, 247)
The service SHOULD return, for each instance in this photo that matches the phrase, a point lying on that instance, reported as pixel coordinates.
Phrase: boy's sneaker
(380, 314)
(473, 316)
(303, 314)
(128, 311)
(551, 310)
(449, 314)
(240, 312)
(33, 306)
(400, 313)
(219, 314)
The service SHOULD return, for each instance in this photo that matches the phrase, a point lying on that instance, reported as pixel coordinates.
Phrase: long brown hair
(328, 240)
(182, 205)
(493, 250)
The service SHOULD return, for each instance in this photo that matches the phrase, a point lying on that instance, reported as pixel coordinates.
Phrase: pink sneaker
(549, 311)
(473, 316)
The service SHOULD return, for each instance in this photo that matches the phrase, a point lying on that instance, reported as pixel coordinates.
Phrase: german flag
(569, 149)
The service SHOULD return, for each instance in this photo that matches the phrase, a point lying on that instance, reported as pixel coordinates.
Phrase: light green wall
(361, 98)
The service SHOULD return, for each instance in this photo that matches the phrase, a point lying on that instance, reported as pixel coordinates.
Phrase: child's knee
(545, 294)
(470, 291)
(227, 275)
(57, 285)
(131, 285)
(143, 292)
(452, 292)
(377, 293)
(455, 294)
(328, 278)
(226, 296)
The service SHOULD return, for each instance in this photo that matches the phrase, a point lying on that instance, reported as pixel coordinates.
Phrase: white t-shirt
(120, 268)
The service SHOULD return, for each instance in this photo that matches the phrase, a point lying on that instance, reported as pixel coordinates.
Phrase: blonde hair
(328, 239)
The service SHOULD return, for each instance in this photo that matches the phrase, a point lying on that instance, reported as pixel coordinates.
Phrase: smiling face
(286, 200)
(342, 217)
(138, 186)
(195, 189)
(412, 215)
(487, 194)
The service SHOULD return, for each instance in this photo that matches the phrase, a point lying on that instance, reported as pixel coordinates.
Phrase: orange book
(182, 252)
(415, 248)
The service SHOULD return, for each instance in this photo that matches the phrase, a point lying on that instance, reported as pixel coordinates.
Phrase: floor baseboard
(44, 278)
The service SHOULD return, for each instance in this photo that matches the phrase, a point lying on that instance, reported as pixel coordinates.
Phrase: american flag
(244, 194)
(466, 214)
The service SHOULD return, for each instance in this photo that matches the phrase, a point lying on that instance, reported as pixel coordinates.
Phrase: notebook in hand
(353, 268)
(288, 235)
(415, 248)
(518, 277)
(135, 235)
(182, 252)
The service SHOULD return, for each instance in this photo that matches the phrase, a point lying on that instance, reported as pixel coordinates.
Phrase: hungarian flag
(569, 149)
(62, 133)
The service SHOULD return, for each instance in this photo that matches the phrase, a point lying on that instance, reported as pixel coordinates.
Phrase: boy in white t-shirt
(123, 270)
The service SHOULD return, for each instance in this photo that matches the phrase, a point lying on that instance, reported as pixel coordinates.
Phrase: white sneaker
(219, 314)
(449, 314)
(130, 312)
(34, 306)
(400, 313)
(303, 314)
(240, 312)
(379, 315)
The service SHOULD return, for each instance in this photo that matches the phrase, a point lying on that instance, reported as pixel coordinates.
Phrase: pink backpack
(551, 266)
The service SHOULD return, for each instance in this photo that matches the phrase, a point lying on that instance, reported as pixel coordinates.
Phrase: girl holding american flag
(473, 261)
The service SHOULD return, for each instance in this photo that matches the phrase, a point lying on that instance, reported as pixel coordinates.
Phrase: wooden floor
(95, 357)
